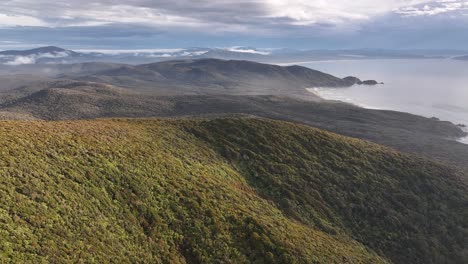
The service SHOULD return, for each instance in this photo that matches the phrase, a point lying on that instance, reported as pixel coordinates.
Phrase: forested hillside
(230, 190)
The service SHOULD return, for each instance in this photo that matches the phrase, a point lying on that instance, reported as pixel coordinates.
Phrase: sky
(298, 24)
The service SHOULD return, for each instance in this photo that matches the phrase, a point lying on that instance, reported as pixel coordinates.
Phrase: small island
(351, 80)
(369, 82)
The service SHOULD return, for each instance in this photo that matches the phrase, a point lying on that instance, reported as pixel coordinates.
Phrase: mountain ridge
(185, 191)
(215, 76)
(234, 53)
(35, 51)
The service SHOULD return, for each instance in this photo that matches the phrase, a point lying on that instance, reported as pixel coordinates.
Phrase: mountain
(214, 76)
(57, 55)
(221, 190)
(37, 51)
(52, 54)
(49, 54)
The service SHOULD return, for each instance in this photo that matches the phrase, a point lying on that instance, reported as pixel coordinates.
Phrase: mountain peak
(36, 51)
(32, 56)
(49, 49)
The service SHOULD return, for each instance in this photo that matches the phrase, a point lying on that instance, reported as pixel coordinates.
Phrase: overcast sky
(305, 24)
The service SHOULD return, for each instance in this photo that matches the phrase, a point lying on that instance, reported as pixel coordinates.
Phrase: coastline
(322, 93)
(318, 91)
(464, 140)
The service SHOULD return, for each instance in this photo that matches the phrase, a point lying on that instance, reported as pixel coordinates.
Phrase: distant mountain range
(51, 54)
(196, 77)
(214, 76)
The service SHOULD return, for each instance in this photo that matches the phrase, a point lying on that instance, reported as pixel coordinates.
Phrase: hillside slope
(65, 99)
(405, 208)
(224, 190)
(215, 77)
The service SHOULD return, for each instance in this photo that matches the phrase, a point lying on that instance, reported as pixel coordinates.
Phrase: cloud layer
(436, 8)
(232, 15)
(221, 21)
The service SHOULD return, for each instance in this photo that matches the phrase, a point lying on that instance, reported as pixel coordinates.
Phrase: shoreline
(464, 140)
(316, 91)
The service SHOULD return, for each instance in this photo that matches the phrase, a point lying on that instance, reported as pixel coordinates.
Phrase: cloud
(20, 60)
(248, 50)
(142, 24)
(435, 8)
(20, 20)
(302, 12)
(220, 15)
(31, 59)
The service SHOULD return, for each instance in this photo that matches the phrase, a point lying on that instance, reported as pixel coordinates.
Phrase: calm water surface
(431, 88)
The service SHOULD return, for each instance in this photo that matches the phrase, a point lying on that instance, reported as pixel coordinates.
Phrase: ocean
(427, 87)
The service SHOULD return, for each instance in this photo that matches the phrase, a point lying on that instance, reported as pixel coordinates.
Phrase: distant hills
(41, 55)
(197, 77)
(39, 51)
(214, 76)
(222, 190)
(51, 54)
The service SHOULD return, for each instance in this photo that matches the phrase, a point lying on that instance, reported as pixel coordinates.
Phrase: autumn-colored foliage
(230, 190)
